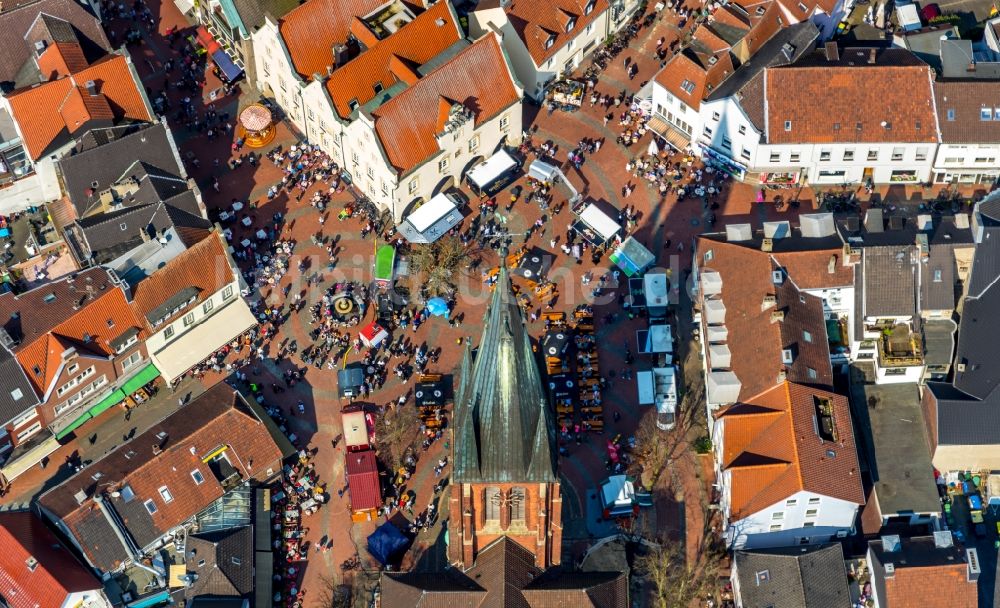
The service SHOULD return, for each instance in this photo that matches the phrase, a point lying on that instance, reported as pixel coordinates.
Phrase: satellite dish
(116, 494)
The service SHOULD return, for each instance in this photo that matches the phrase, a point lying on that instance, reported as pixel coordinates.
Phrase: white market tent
(488, 171)
(618, 494)
(600, 222)
(431, 220)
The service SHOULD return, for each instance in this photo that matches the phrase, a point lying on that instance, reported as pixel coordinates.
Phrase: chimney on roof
(91, 88)
(831, 266)
(832, 51)
(871, 56)
(341, 55)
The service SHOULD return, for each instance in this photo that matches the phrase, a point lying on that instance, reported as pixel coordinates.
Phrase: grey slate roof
(796, 577)
(16, 63)
(106, 239)
(890, 281)
(979, 333)
(968, 409)
(801, 38)
(938, 281)
(228, 567)
(108, 156)
(16, 394)
(252, 12)
(504, 432)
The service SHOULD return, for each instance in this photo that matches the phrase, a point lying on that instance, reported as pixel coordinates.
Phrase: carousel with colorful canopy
(256, 126)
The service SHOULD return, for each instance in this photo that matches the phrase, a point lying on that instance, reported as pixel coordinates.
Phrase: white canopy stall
(432, 220)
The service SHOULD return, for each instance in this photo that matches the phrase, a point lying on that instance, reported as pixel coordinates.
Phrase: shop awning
(205, 39)
(669, 133)
(147, 375)
(229, 68)
(204, 339)
(114, 397)
(30, 458)
(74, 425)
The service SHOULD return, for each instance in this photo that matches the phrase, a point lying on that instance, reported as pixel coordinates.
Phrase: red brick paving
(604, 174)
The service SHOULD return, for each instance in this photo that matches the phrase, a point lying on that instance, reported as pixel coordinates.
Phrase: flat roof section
(891, 427)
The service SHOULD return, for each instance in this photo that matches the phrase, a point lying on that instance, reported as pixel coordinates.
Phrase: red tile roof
(692, 75)
(829, 103)
(47, 111)
(535, 20)
(53, 318)
(361, 469)
(772, 450)
(755, 342)
(56, 572)
(478, 77)
(310, 31)
(417, 42)
(218, 419)
(205, 266)
(61, 59)
(939, 585)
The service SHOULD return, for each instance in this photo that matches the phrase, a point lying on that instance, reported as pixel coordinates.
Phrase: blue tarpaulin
(438, 307)
(387, 543)
(229, 69)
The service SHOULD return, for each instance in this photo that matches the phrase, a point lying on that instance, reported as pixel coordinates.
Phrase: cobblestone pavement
(661, 222)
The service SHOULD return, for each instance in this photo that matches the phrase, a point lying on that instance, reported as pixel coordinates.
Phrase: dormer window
(550, 41)
(570, 24)
(377, 87)
(760, 11)
(589, 8)
(353, 104)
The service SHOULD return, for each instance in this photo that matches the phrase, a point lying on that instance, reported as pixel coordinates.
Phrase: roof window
(985, 114)
(49, 297)
(760, 10)
(570, 24)
(353, 104)
(687, 86)
(165, 494)
(590, 7)
(378, 87)
(788, 125)
(150, 506)
(951, 114)
(550, 41)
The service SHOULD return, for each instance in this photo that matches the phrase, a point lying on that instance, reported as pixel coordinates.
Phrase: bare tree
(676, 581)
(399, 430)
(437, 266)
(333, 594)
(657, 449)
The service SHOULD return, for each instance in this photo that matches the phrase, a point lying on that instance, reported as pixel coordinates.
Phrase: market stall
(349, 381)
(493, 175)
(357, 436)
(385, 263)
(567, 94)
(618, 497)
(373, 334)
(633, 257)
(255, 126)
(361, 470)
(594, 225)
(534, 264)
(432, 220)
(658, 387)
